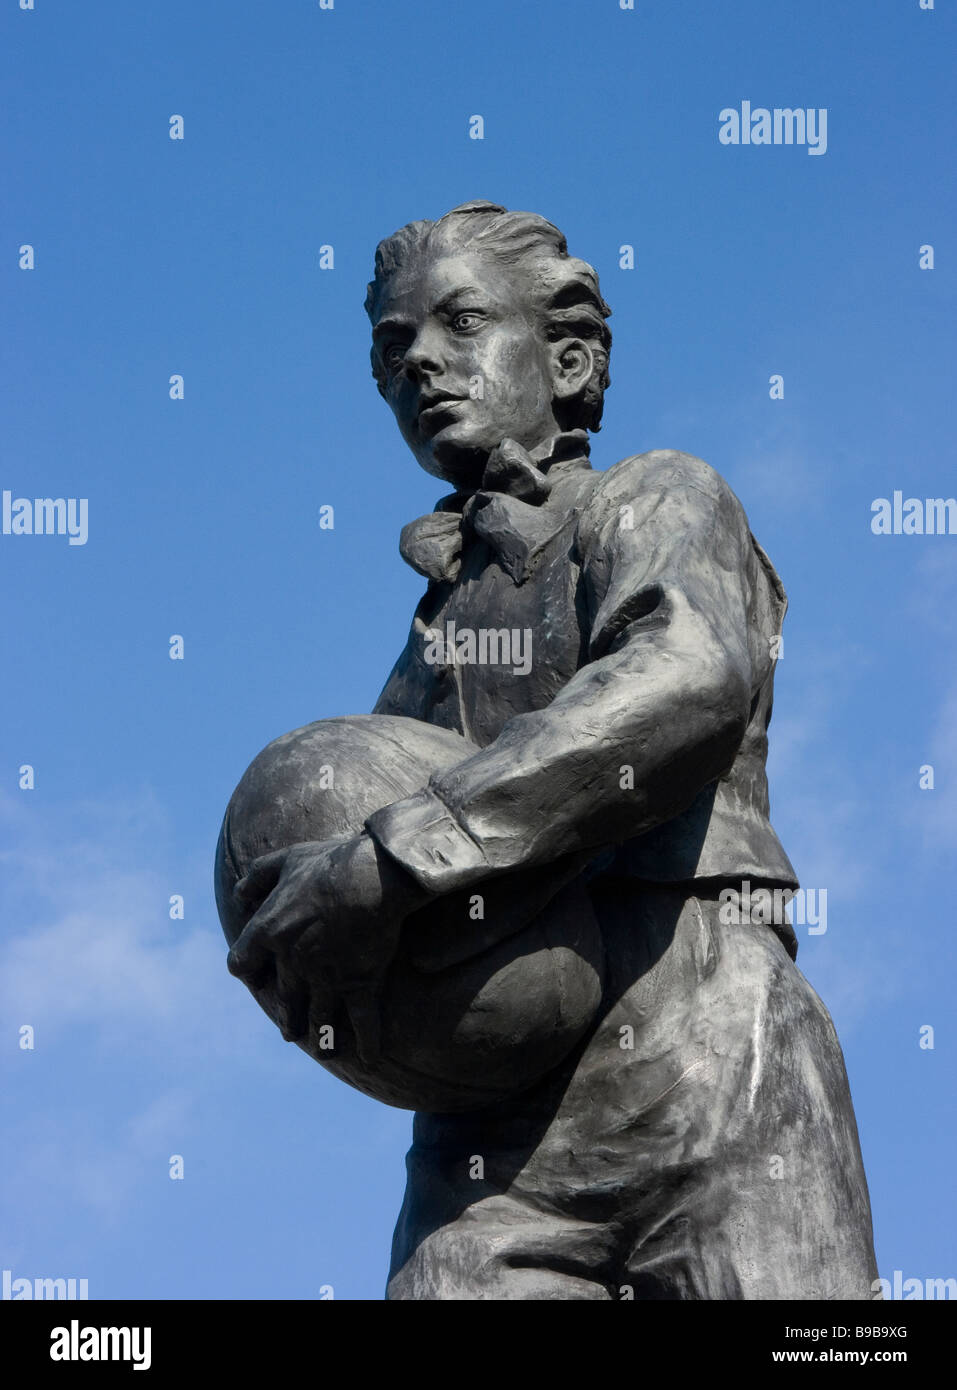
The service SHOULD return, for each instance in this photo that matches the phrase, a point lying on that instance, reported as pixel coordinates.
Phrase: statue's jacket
(607, 640)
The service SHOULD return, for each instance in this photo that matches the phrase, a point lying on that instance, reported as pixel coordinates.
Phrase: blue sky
(306, 127)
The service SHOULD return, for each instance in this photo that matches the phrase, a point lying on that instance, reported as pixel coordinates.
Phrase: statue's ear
(572, 363)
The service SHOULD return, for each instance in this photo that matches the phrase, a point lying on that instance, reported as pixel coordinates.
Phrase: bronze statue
(497, 900)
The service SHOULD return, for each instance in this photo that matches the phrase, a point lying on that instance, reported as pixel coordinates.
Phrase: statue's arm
(666, 694)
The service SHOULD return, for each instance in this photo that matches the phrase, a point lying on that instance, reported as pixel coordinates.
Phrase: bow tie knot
(510, 469)
(432, 544)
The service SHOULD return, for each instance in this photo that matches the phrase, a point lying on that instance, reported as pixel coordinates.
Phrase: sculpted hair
(563, 289)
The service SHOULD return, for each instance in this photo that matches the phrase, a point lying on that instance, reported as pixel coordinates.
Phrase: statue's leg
(504, 1249)
(706, 1123)
(761, 1192)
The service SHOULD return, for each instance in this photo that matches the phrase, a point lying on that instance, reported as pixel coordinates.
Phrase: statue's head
(484, 328)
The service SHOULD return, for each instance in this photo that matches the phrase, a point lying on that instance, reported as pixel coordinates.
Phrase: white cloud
(89, 948)
(938, 806)
(77, 1154)
(135, 1014)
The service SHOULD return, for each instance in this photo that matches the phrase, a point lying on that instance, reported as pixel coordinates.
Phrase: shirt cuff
(422, 835)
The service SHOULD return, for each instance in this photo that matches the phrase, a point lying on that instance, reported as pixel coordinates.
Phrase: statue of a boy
(498, 899)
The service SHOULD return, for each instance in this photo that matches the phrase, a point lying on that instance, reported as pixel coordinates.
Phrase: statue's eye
(466, 321)
(393, 355)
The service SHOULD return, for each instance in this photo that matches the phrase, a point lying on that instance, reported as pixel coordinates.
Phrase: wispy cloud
(89, 944)
(136, 1010)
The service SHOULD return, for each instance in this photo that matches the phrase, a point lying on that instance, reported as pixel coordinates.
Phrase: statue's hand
(326, 927)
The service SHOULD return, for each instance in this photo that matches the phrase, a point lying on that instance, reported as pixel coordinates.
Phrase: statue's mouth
(433, 409)
(430, 399)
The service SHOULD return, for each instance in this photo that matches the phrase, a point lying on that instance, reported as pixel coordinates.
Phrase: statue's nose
(423, 357)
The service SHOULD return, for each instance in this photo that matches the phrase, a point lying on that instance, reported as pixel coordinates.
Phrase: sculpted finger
(261, 879)
(250, 960)
(362, 1006)
(323, 1011)
(292, 1001)
(272, 930)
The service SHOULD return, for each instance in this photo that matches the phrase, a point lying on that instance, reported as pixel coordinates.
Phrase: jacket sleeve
(656, 713)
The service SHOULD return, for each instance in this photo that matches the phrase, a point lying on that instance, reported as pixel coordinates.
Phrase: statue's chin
(459, 464)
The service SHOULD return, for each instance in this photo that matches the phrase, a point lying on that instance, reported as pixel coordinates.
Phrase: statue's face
(465, 362)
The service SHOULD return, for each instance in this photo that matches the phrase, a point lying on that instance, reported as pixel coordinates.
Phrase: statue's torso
(523, 573)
